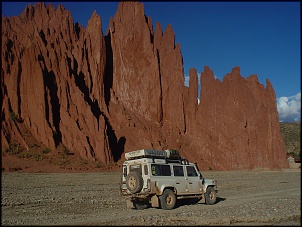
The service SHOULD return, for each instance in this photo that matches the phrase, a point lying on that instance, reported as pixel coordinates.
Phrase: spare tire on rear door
(134, 182)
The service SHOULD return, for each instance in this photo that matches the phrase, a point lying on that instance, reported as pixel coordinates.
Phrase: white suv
(159, 178)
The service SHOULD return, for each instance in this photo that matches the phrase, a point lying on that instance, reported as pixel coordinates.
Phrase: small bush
(34, 145)
(67, 152)
(38, 157)
(25, 155)
(15, 117)
(14, 149)
(46, 151)
(5, 150)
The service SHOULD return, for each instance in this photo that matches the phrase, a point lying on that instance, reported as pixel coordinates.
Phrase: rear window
(136, 167)
(160, 170)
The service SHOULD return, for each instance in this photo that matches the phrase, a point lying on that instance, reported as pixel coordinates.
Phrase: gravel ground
(244, 198)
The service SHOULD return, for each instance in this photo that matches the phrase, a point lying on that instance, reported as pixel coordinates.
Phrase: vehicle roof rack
(173, 154)
(148, 153)
(145, 153)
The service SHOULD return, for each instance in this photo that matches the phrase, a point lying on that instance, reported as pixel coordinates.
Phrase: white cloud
(289, 108)
(187, 79)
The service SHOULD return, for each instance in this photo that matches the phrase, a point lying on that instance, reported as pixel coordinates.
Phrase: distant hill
(291, 134)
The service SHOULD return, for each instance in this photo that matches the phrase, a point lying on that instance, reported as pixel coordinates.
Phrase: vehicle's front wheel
(210, 196)
(167, 200)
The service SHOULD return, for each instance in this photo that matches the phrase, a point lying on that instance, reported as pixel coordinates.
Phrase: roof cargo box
(145, 153)
(173, 154)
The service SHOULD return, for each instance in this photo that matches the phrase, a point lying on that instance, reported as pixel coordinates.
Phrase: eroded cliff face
(53, 80)
(103, 95)
(242, 125)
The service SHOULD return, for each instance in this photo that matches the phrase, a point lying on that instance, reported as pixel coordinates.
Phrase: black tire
(210, 196)
(134, 182)
(167, 200)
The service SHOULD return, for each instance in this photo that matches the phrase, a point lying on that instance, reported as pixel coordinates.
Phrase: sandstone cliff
(102, 95)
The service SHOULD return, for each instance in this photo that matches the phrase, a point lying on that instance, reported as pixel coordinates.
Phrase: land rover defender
(158, 178)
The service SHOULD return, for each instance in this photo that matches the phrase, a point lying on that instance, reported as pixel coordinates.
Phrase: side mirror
(200, 175)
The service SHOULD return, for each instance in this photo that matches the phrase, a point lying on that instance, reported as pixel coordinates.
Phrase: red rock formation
(242, 127)
(53, 74)
(101, 96)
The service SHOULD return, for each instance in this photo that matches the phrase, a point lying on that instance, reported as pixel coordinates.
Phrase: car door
(181, 183)
(194, 184)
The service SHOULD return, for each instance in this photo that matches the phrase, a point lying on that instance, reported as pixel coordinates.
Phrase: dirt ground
(92, 198)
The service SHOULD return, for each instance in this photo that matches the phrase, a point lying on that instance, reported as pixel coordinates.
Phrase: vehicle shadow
(218, 200)
(184, 202)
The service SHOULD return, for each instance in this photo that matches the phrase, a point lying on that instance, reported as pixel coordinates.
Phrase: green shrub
(46, 151)
(14, 116)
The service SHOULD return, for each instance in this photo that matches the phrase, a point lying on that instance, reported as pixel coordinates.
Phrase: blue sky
(262, 38)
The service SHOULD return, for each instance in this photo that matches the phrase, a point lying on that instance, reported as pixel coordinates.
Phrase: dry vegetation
(291, 133)
(38, 157)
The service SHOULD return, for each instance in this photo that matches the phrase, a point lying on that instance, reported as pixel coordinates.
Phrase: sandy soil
(92, 198)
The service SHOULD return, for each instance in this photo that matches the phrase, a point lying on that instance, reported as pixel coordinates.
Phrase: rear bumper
(136, 195)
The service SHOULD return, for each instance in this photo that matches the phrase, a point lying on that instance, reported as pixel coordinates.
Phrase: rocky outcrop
(53, 79)
(103, 95)
(242, 125)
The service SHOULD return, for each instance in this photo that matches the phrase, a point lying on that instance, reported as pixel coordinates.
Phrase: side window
(125, 171)
(146, 169)
(160, 170)
(178, 171)
(191, 171)
(155, 170)
(137, 168)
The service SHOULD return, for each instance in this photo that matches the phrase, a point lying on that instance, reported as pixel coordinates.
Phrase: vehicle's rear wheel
(167, 200)
(210, 196)
(134, 182)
